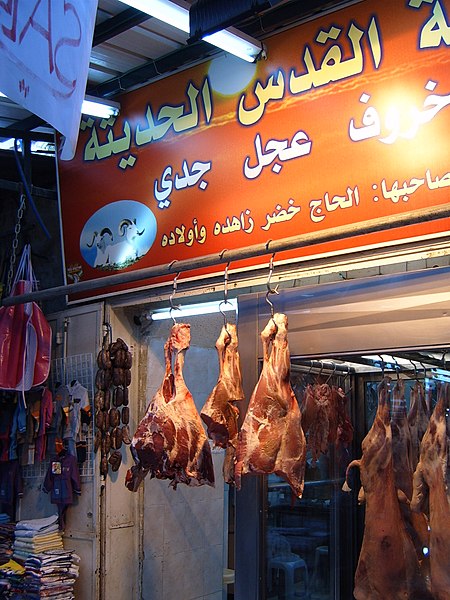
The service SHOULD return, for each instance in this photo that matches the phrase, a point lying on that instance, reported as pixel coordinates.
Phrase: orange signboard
(347, 120)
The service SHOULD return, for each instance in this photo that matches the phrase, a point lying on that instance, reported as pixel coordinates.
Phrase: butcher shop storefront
(258, 263)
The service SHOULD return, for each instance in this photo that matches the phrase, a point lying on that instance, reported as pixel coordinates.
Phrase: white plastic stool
(289, 566)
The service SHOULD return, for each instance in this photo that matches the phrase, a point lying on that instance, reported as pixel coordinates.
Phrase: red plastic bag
(25, 335)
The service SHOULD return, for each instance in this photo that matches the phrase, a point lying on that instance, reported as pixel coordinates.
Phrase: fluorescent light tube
(237, 43)
(163, 10)
(231, 40)
(97, 107)
(190, 310)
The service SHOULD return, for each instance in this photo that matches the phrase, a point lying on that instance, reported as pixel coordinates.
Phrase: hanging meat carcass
(430, 493)
(319, 422)
(271, 439)
(170, 442)
(219, 413)
(388, 566)
(402, 457)
(418, 419)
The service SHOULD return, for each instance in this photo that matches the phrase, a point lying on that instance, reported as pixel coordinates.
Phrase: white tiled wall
(184, 528)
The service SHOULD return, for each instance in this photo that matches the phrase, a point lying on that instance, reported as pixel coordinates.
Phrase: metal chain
(15, 243)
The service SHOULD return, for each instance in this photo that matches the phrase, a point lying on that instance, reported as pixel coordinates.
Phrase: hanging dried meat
(170, 442)
(111, 381)
(219, 413)
(272, 439)
(388, 565)
(430, 493)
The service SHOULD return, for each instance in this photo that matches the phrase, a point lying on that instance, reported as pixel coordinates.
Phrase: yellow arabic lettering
(179, 117)
(182, 235)
(332, 67)
(444, 181)
(271, 91)
(281, 215)
(404, 192)
(436, 30)
(316, 212)
(207, 104)
(94, 150)
(243, 223)
(342, 201)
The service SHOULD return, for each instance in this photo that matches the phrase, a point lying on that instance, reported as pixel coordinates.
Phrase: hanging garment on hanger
(62, 482)
(78, 404)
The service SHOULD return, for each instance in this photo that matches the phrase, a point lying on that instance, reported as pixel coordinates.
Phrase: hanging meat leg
(388, 567)
(402, 456)
(271, 438)
(219, 413)
(170, 442)
(418, 419)
(430, 494)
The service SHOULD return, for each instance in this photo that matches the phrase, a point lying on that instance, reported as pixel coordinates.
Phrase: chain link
(15, 243)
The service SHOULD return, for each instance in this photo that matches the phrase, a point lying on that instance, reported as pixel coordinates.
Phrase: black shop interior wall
(46, 253)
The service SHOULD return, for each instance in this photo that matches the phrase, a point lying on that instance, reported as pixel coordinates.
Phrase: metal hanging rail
(270, 247)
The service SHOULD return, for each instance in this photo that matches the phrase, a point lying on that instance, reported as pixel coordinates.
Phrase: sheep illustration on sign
(118, 235)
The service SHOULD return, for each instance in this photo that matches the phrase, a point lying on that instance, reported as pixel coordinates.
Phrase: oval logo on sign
(118, 235)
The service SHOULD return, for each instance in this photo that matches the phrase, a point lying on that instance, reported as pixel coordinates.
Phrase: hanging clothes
(62, 482)
(77, 409)
(11, 486)
(7, 410)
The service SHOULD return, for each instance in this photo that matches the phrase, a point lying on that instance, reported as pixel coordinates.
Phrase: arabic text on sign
(330, 204)
(184, 235)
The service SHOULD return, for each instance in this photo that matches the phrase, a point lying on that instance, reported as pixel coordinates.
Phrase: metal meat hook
(225, 298)
(171, 297)
(269, 289)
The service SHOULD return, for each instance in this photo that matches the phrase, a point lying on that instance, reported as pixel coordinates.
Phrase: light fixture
(190, 310)
(231, 40)
(163, 10)
(237, 43)
(98, 107)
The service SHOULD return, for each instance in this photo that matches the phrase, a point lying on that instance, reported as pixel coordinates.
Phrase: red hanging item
(25, 335)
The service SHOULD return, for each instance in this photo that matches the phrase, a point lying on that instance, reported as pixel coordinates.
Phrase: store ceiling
(131, 49)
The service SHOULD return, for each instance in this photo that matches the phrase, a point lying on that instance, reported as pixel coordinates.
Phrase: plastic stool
(320, 555)
(289, 566)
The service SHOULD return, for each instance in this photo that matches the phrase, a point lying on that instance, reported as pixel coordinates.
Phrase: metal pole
(290, 243)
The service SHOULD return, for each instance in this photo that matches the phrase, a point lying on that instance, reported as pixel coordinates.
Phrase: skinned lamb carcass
(430, 493)
(219, 413)
(170, 442)
(403, 463)
(418, 419)
(319, 428)
(271, 439)
(388, 566)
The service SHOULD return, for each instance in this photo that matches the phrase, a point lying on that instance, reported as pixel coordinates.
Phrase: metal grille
(63, 371)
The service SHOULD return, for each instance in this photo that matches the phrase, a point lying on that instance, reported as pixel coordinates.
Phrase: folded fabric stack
(6, 541)
(10, 572)
(34, 536)
(50, 574)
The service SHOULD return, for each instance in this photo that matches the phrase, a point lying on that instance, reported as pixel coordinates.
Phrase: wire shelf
(63, 371)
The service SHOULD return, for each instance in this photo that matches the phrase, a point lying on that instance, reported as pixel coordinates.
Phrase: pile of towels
(34, 536)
